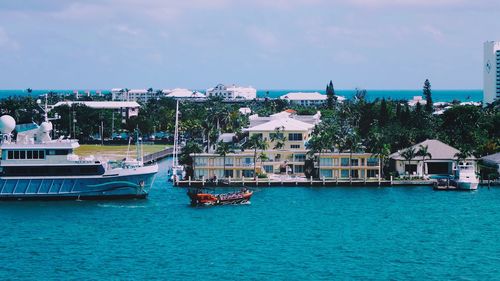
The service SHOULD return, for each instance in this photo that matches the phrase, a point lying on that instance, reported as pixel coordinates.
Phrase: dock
(296, 182)
(153, 157)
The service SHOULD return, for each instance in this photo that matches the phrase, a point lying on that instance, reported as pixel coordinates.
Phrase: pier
(153, 157)
(251, 182)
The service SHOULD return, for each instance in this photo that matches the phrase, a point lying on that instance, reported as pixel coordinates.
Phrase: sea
(437, 95)
(286, 233)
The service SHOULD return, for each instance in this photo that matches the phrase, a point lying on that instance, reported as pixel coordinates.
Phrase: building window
(248, 173)
(354, 174)
(344, 173)
(298, 169)
(372, 162)
(300, 157)
(372, 173)
(294, 137)
(325, 161)
(259, 135)
(354, 162)
(344, 162)
(276, 136)
(295, 146)
(325, 173)
(228, 173)
(268, 168)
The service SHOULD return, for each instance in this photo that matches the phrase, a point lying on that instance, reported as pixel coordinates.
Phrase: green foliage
(428, 96)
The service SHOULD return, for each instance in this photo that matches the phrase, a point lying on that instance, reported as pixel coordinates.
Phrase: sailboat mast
(176, 136)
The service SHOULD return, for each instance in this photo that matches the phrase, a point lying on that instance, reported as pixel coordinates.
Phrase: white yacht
(465, 176)
(35, 167)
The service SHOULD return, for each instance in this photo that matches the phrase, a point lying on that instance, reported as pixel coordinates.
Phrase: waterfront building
(179, 93)
(491, 72)
(442, 161)
(361, 166)
(126, 109)
(232, 92)
(492, 162)
(305, 99)
(289, 159)
(138, 95)
(344, 166)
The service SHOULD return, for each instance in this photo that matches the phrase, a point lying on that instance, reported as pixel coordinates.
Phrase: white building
(232, 92)
(307, 99)
(491, 72)
(442, 161)
(179, 93)
(138, 95)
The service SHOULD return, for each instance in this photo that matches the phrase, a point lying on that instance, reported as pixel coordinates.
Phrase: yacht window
(35, 154)
(62, 152)
(41, 154)
(16, 154)
(51, 152)
(23, 154)
(29, 154)
(11, 154)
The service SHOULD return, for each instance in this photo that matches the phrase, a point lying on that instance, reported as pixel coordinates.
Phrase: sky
(267, 44)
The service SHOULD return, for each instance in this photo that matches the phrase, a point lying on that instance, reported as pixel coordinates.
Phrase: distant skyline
(295, 44)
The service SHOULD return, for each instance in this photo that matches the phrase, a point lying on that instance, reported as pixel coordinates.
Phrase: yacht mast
(175, 161)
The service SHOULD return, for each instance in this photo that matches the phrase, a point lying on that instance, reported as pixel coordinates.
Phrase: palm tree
(318, 143)
(223, 149)
(256, 142)
(408, 155)
(278, 138)
(190, 148)
(382, 151)
(423, 151)
(354, 144)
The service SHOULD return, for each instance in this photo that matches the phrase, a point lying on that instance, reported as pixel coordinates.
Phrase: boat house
(441, 162)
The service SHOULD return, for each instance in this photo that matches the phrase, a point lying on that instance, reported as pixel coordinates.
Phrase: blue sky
(269, 44)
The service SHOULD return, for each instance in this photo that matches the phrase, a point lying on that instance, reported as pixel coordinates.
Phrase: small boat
(465, 176)
(200, 197)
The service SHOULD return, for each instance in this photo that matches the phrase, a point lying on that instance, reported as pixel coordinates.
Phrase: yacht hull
(467, 185)
(123, 184)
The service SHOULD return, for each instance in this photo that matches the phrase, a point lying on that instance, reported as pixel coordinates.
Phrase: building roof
(101, 104)
(255, 119)
(438, 150)
(493, 159)
(183, 93)
(287, 124)
(304, 96)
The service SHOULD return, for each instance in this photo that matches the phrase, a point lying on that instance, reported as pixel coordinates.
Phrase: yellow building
(290, 159)
(339, 165)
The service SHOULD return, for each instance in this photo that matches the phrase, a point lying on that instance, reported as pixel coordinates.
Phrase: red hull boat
(200, 198)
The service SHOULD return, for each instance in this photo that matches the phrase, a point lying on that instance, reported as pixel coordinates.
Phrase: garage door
(438, 168)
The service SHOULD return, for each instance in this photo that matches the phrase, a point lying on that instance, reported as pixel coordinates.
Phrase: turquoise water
(285, 234)
(438, 95)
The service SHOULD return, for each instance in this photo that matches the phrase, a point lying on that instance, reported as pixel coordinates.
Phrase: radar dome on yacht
(7, 124)
(46, 127)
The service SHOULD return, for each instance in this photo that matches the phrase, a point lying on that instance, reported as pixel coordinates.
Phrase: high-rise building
(491, 87)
